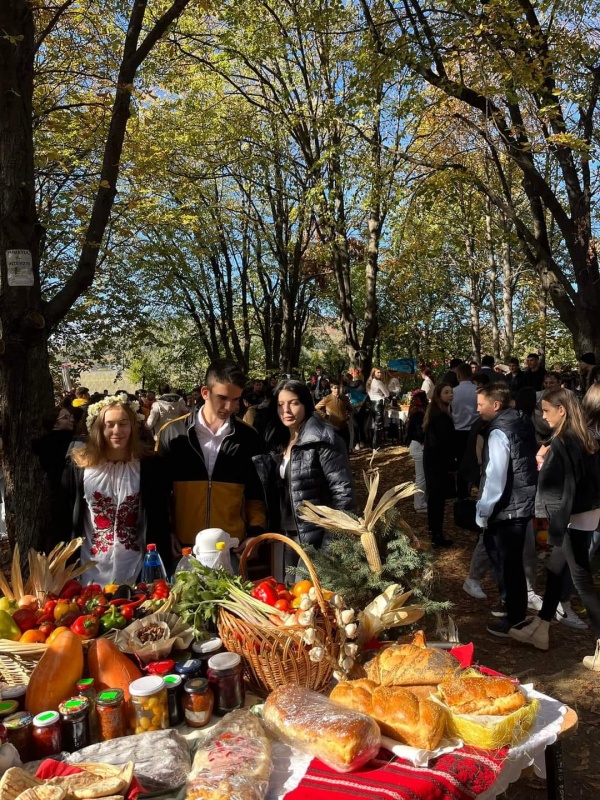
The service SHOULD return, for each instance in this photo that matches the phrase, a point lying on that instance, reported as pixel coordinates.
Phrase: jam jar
(198, 702)
(174, 686)
(226, 679)
(8, 707)
(46, 736)
(148, 707)
(19, 729)
(110, 708)
(75, 721)
(205, 650)
(17, 693)
(190, 668)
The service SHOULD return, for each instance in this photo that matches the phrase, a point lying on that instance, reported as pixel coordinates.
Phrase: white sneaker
(473, 587)
(593, 662)
(534, 601)
(534, 633)
(566, 615)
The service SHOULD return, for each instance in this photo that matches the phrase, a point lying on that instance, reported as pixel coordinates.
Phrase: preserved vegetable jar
(110, 708)
(226, 680)
(174, 686)
(75, 721)
(204, 651)
(17, 693)
(148, 704)
(190, 668)
(46, 734)
(198, 702)
(19, 729)
(86, 688)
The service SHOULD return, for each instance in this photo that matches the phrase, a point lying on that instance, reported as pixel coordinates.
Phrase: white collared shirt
(210, 443)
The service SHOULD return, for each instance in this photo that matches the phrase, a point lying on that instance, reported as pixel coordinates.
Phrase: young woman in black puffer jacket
(305, 460)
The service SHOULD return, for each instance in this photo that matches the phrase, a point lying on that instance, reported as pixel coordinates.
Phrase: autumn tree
(30, 35)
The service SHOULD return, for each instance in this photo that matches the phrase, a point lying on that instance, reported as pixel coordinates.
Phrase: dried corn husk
(364, 526)
(387, 610)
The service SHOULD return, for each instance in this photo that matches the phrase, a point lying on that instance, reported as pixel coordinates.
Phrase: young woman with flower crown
(118, 493)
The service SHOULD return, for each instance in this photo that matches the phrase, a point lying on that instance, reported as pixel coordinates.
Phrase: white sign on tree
(19, 267)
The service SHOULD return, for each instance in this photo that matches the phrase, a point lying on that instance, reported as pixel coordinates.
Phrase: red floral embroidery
(108, 521)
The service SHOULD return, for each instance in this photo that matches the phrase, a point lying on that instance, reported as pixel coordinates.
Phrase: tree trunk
(507, 298)
(493, 273)
(25, 384)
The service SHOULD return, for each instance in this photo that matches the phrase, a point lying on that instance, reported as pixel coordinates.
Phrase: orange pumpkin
(55, 677)
(110, 668)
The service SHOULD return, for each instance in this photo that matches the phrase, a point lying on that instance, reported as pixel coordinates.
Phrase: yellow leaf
(105, 184)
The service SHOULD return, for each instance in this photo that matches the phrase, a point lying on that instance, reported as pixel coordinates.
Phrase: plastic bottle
(153, 568)
(223, 557)
(184, 564)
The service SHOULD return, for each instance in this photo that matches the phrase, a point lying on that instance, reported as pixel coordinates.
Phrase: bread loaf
(400, 714)
(343, 739)
(492, 696)
(409, 664)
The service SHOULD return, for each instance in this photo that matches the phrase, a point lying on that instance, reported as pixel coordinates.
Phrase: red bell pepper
(70, 590)
(266, 592)
(86, 626)
(91, 590)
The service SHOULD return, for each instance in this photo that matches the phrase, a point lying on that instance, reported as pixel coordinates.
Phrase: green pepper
(113, 620)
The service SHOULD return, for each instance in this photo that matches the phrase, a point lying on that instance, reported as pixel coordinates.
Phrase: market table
(459, 775)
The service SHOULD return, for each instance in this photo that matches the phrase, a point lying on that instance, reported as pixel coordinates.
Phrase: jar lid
(173, 681)
(73, 706)
(187, 666)
(85, 683)
(143, 687)
(8, 707)
(10, 692)
(111, 697)
(161, 667)
(208, 646)
(196, 686)
(19, 720)
(224, 661)
(45, 718)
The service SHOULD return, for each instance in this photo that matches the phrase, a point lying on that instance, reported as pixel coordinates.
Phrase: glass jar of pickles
(148, 707)
(110, 710)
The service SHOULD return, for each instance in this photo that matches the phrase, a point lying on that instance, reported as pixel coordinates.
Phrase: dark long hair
(277, 435)
(436, 406)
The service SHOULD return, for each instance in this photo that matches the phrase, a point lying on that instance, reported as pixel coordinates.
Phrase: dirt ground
(558, 672)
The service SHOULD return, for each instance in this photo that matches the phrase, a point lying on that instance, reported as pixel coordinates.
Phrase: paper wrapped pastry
(234, 762)
(153, 637)
(341, 738)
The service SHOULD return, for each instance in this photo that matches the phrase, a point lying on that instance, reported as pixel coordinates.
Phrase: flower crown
(121, 398)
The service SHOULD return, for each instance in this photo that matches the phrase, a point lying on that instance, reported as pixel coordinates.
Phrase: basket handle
(277, 537)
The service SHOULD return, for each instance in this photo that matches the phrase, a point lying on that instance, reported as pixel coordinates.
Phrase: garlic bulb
(312, 594)
(336, 600)
(351, 649)
(309, 636)
(347, 615)
(351, 630)
(316, 654)
(305, 603)
(347, 664)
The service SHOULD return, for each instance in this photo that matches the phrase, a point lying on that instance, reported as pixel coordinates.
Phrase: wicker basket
(276, 656)
(32, 651)
(15, 670)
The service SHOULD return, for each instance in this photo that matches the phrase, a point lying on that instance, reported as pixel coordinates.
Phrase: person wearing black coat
(438, 461)
(305, 460)
(569, 495)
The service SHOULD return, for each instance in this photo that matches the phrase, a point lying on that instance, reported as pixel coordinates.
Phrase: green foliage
(343, 567)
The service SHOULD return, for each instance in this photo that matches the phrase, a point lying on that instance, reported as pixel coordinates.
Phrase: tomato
(285, 594)
(33, 637)
(49, 607)
(56, 633)
(63, 607)
(302, 587)
(282, 604)
(47, 628)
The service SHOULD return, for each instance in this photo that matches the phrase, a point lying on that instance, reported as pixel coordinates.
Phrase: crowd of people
(243, 455)
(511, 445)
